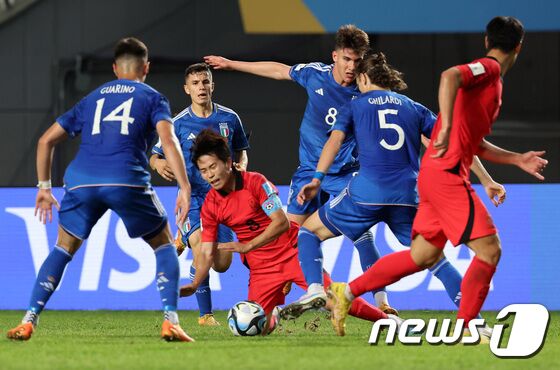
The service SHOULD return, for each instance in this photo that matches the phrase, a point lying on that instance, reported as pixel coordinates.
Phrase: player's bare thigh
(162, 238)
(317, 227)
(488, 248)
(67, 241)
(222, 259)
(423, 253)
(298, 219)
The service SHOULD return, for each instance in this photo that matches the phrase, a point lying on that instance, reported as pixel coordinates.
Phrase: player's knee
(222, 263)
(489, 249)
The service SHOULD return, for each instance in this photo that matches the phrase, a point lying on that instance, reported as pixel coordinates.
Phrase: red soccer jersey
(476, 108)
(241, 210)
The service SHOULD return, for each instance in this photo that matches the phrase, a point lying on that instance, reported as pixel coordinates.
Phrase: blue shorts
(225, 235)
(344, 217)
(332, 184)
(139, 208)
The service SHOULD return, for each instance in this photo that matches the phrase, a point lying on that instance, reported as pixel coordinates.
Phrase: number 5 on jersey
(390, 126)
(124, 118)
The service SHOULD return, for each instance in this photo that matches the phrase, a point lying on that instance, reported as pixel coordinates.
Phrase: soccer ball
(246, 318)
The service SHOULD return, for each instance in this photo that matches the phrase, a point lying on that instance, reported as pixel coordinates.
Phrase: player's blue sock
(310, 256)
(167, 279)
(368, 253)
(451, 279)
(203, 294)
(48, 278)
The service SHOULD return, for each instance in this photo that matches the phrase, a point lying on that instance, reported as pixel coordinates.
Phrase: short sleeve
(344, 120)
(71, 121)
(479, 72)
(261, 188)
(427, 119)
(157, 149)
(239, 141)
(300, 73)
(208, 223)
(161, 110)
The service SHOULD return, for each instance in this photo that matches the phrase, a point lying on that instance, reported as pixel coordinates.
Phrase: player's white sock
(171, 316)
(381, 298)
(348, 293)
(315, 288)
(31, 317)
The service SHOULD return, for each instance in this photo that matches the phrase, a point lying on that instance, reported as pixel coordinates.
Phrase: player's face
(345, 61)
(214, 171)
(199, 87)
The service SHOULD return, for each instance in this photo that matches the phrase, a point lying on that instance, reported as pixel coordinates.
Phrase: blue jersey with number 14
(325, 99)
(117, 123)
(387, 127)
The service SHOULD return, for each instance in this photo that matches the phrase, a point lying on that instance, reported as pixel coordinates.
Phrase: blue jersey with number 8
(116, 122)
(387, 127)
(325, 99)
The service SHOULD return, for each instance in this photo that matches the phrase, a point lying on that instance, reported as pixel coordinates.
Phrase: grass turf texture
(130, 340)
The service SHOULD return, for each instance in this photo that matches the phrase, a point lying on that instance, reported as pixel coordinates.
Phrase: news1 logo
(526, 336)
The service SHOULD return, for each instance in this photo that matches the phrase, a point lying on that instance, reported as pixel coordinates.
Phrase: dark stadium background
(54, 51)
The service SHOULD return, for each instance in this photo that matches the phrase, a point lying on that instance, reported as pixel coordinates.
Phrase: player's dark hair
(209, 142)
(504, 33)
(351, 37)
(380, 72)
(131, 47)
(197, 68)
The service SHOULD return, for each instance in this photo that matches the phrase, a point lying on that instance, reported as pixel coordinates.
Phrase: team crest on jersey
(224, 129)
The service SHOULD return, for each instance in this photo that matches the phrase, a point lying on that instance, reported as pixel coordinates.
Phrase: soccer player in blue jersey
(388, 128)
(200, 115)
(329, 88)
(117, 122)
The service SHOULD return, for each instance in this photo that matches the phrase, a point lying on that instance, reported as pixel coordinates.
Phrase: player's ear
(115, 69)
(334, 55)
(212, 88)
(518, 48)
(186, 89)
(146, 68)
(229, 163)
(486, 42)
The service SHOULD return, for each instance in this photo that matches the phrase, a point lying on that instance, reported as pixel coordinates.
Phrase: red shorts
(266, 284)
(449, 210)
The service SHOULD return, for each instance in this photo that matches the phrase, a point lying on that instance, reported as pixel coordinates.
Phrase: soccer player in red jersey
(249, 204)
(469, 101)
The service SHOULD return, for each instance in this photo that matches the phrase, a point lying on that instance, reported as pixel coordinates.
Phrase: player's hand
(163, 169)
(308, 191)
(43, 205)
(218, 62)
(441, 143)
(187, 290)
(182, 207)
(496, 192)
(533, 164)
(239, 167)
(234, 247)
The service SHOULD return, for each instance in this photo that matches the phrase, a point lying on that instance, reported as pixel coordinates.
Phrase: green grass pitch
(130, 340)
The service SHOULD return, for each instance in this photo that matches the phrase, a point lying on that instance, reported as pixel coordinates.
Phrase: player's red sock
(363, 310)
(385, 271)
(474, 288)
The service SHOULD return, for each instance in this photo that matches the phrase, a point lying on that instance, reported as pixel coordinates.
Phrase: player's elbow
(283, 225)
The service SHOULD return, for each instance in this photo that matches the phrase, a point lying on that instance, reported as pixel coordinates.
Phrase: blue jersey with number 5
(387, 127)
(116, 122)
(325, 99)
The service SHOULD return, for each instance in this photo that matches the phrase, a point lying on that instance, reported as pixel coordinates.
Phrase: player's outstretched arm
(449, 84)
(274, 70)
(204, 261)
(530, 162)
(495, 191)
(45, 150)
(159, 164)
(175, 160)
(279, 225)
(328, 154)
